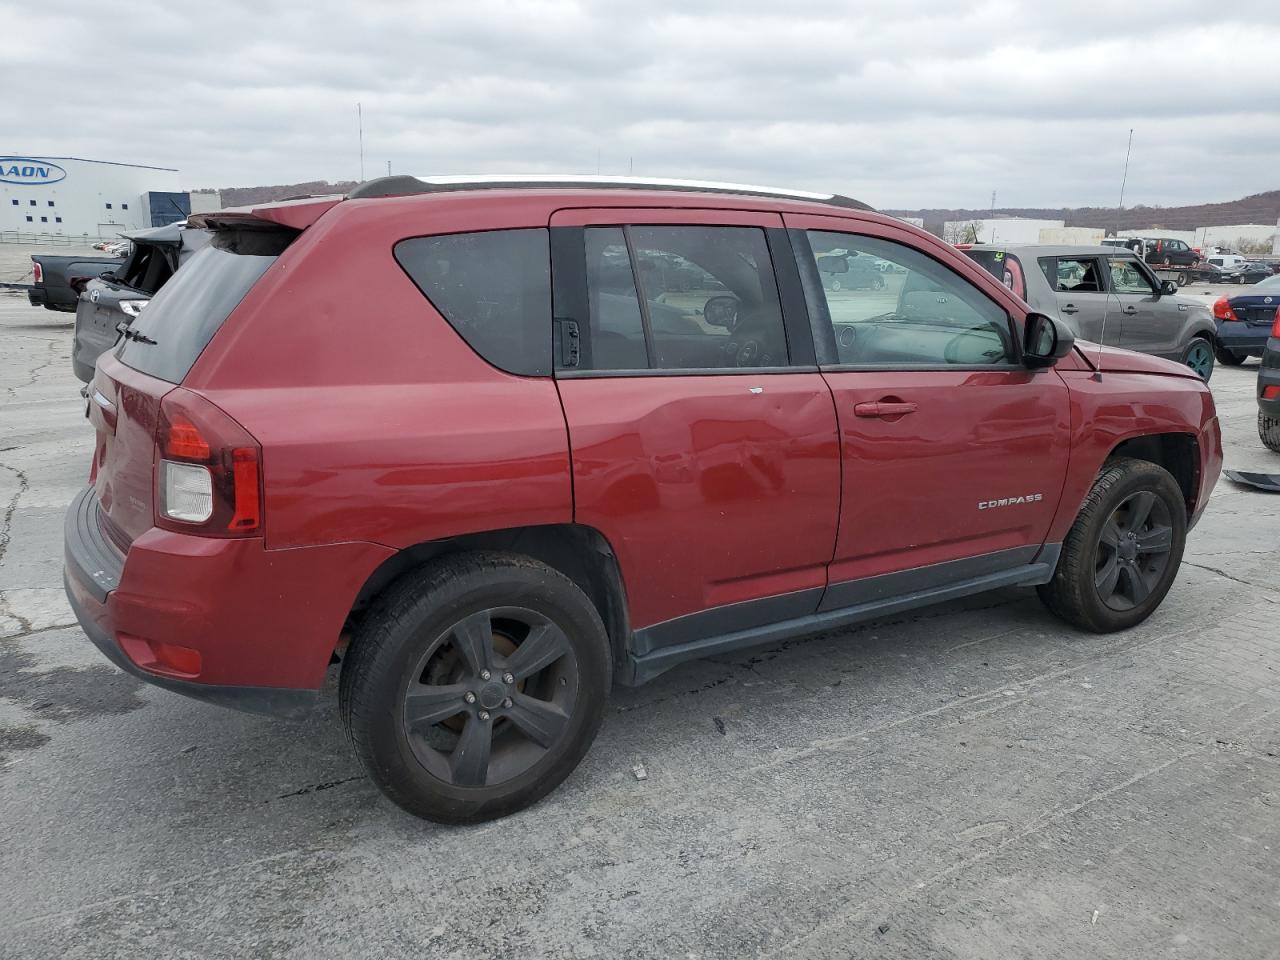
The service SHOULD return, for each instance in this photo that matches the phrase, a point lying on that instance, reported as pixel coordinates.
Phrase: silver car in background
(1106, 295)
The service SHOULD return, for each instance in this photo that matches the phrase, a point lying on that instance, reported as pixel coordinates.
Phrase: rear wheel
(1228, 358)
(1269, 431)
(475, 685)
(1199, 357)
(1123, 551)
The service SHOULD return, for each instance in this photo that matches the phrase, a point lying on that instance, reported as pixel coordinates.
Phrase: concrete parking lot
(971, 781)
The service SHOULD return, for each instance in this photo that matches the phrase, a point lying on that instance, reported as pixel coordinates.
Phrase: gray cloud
(914, 103)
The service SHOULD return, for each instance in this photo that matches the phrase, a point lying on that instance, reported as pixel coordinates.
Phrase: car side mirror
(1167, 289)
(1044, 342)
(721, 311)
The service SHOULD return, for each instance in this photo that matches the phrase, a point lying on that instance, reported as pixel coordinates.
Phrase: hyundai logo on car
(29, 172)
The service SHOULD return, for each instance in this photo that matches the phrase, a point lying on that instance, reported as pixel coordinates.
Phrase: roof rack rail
(402, 185)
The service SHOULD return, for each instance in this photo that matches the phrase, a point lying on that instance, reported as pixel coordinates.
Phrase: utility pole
(360, 128)
(1125, 179)
(388, 168)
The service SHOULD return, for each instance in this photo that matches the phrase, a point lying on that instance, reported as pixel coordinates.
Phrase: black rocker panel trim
(696, 636)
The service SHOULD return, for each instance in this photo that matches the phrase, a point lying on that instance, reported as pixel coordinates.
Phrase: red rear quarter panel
(377, 421)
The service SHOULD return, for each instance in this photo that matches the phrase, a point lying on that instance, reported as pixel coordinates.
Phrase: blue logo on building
(28, 172)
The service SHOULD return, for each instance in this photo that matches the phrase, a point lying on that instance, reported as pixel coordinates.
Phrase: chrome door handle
(1129, 310)
(1070, 308)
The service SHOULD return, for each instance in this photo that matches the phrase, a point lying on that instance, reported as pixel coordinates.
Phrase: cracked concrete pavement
(973, 780)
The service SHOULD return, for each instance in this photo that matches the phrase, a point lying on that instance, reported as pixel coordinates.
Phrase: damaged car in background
(108, 303)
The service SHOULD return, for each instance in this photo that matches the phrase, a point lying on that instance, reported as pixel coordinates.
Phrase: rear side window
(178, 323)
(494, 288)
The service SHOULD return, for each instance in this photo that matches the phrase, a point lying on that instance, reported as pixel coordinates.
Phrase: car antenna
(1102, 334)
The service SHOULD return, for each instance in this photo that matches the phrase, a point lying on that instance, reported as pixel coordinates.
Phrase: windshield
(171, 331)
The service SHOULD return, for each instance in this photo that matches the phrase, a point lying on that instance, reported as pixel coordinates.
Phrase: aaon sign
(29, 172)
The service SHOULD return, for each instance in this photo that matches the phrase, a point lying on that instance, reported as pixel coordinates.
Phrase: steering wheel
(748, 351)
(977, 335)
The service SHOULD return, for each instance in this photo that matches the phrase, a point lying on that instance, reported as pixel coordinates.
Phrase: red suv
(495, 446)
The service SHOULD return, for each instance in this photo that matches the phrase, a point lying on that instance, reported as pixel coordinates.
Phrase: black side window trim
(795, 311)
(821, 316)
(571, 309)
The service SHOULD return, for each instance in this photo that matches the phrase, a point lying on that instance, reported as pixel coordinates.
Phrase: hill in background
(1259, 208)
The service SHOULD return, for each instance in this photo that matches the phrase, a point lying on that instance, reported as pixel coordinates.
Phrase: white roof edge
(572, 178)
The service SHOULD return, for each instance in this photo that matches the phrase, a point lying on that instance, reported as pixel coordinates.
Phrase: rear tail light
(1271, 393)
(1222, 310)
(209, 470)
(1275, 324)
(37, 271)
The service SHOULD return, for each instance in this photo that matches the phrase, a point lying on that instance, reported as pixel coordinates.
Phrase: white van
(1226, 261)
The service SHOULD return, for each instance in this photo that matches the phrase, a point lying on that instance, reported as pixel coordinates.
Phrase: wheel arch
(1179, 453)
(581, 553)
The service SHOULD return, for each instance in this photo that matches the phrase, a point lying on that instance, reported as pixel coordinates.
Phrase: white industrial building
(997, 230)
(74, 198)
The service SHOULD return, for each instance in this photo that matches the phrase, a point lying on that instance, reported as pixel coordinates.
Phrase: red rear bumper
(224, 620)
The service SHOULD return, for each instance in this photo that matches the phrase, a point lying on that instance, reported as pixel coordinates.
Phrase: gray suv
(1107, 295)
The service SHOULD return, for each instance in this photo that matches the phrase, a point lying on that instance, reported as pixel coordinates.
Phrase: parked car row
(496, 446)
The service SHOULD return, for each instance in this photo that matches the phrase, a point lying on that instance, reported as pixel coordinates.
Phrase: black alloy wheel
(1133, 551)
(490, 695)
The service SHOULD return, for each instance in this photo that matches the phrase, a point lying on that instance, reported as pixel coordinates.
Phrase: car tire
(836, 285)
(1228, 358)
(1198, 356)
(1104, 580)
(1269, 431)
(436, 663)
(1183, 279)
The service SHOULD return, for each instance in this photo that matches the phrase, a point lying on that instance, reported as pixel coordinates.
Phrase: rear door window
(682, 298)
(1072, 274)
(178, 323)
(494, 289)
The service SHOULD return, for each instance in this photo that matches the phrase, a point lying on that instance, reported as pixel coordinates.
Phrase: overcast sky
(907, 103)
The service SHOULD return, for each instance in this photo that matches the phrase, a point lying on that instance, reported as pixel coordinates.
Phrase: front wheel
(1123, 552)
(1199, 357)
(474, 685)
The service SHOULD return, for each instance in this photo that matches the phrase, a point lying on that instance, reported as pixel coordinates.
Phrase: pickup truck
(53, 275)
